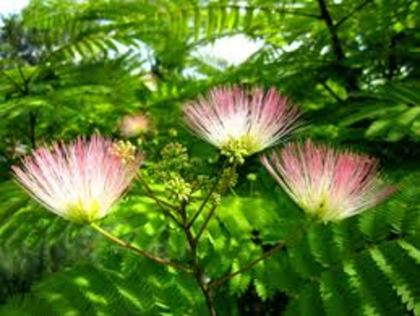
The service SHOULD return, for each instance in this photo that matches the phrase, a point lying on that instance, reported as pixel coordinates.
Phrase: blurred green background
(70, 68)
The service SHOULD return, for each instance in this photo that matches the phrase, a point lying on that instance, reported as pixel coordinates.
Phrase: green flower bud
(251, 177)
(173, 132)
(215, 198)
(179, 188)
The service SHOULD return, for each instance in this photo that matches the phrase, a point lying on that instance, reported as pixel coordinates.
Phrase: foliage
(69, 68)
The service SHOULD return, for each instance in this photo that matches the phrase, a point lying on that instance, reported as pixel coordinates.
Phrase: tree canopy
(73, 68)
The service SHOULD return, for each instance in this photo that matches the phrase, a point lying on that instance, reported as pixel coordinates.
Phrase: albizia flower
(327, 183)
(79, 181)
(133, 125)
(241, 122)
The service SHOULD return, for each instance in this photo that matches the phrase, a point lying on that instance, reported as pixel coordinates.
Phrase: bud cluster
(174, 170)
(236, 150)
(179, 189)
(124, 150)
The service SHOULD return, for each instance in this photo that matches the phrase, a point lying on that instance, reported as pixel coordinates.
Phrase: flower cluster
(79, 181)
(241, 122)
(327, 183)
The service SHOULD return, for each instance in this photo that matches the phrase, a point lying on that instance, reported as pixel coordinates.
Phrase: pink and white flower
(327, 183)
(79, 181)
(134, 125)
(241, 121)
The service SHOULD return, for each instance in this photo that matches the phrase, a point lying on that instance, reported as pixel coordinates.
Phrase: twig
(137, 250)
(247, 266)
(162, 204)
(280, 244)
(214, 207)
(206, 221)
(203, 204)
(331, 91)
(25, 81)
(357, 8)
(274, 9)
(17, 86)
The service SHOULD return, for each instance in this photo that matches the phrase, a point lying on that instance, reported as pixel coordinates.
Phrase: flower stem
(137, 250)
(203, 204)
(206, 221)
(165, 206)
(247, 266)
(198, 270)
(225, 187)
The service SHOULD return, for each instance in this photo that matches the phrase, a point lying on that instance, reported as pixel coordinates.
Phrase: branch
(197, 268)
(203, 204)
(355, 10)
(206, 221)
(247, 266)
(336, 44)
(392, 58)
(331, 91)
(349, 76)
(25, 81)
(278, 10)
(137, 250)
(225, 186)
(296, 234)
(17, 86)
(162, 204)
